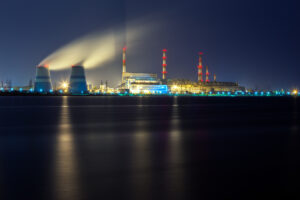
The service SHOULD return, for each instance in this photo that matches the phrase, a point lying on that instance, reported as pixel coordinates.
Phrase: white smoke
(90, 51)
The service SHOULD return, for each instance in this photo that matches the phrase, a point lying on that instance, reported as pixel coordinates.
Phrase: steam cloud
(90, 51)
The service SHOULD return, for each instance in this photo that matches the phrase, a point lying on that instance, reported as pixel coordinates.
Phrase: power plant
(145, 83)
(78, 84)
(148, 83)
(42, 81)
(138, 83)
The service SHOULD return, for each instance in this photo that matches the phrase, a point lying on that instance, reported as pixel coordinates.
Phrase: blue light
(288, 93)
(21, 89)
(228, 93)
(51, 91)
(262, 93)
(243, 93)
(60, 91)
(41, 90)
(223, 92)
(11, 89)
(31, 90)
(255, 93)
(268, 93)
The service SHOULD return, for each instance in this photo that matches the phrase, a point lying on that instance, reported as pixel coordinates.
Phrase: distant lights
(64, 85)
(295, 91)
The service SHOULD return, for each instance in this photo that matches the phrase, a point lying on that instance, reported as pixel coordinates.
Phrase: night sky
(253, 42)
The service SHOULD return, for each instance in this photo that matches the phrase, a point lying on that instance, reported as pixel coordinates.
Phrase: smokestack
(124, 62)
(164, 65)
(77, 81)
(207, 74)
(200, 79)
(42, 81)
(215, 78)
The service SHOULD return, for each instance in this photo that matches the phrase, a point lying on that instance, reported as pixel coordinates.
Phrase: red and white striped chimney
(207, 74)
(200, 79)
(124, 62)
(164, 65)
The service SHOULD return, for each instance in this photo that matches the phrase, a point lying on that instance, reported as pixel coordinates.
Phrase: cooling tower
(42, 80)
(77, 81)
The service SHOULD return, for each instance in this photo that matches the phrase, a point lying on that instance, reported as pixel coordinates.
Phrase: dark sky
(253, 42)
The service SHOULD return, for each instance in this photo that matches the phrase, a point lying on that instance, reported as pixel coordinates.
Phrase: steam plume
(90, 51)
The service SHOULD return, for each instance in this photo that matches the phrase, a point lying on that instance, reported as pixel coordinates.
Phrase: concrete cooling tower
(42, 80)
(77, 81)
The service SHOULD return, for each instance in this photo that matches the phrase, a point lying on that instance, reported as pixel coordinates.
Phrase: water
(149, 148)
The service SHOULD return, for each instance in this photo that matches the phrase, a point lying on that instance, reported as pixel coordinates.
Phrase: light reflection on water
(175, 179)
(147, 148)
(144, 158)
(66, 183)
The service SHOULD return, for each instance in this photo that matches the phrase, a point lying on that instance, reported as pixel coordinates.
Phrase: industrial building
(78, 84)
(141, 83)
(42, 81)
(148, 83)
(181, 86)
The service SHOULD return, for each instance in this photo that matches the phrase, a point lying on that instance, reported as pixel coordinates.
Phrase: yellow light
(65, 85)
(174, 87)
(295, 91)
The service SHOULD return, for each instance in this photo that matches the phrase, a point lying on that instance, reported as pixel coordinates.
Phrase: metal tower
(200, 79)
(207, 74)
(164, 65)
(124, 62)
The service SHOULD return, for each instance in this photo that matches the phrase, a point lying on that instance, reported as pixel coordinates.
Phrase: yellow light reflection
(66, 168)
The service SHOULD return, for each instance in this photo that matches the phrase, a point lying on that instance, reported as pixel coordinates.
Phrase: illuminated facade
(144, 83)
(186, 86)
(148, 89)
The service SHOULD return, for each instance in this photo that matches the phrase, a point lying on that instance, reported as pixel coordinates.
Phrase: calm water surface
(149, 148)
